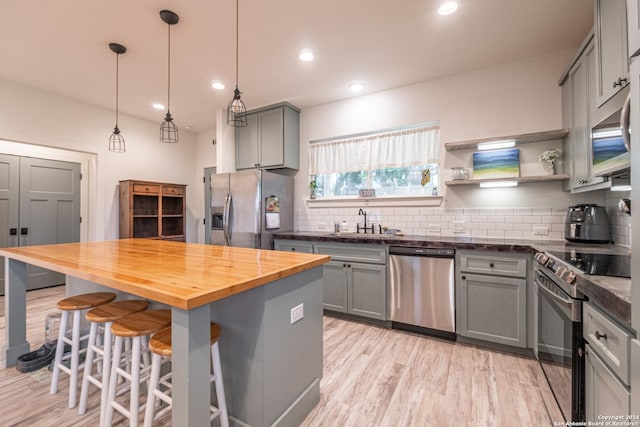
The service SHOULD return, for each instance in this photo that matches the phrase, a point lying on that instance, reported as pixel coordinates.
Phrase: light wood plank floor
(372, 377)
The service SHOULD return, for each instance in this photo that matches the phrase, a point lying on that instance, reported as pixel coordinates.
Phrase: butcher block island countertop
(183, 275)
(272, 362)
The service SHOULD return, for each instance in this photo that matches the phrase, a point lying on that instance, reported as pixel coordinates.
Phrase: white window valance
(392, 149)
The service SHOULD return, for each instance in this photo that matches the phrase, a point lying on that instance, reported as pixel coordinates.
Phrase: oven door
(559, 346)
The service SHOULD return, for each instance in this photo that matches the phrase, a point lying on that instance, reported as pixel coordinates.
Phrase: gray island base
(271, 367)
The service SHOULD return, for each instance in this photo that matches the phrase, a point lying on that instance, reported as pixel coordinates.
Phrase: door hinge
(80, 177)
(80, 219)
(204, 179)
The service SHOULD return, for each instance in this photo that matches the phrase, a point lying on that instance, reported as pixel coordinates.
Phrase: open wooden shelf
(523, 138)
(520, 180)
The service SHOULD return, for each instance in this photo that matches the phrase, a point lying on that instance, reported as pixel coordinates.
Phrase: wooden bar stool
(102, 317)
(160, 346)
(74, 305)
(137, 327)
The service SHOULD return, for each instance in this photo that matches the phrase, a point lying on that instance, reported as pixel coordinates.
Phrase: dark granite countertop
(612, 294)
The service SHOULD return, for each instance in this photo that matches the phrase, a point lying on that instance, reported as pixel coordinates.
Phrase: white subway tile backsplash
(516, 223)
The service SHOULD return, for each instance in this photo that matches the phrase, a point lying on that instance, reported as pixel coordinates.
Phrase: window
(401, 162)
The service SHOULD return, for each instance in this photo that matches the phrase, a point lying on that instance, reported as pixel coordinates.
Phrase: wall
(511, 98)
(32, 116)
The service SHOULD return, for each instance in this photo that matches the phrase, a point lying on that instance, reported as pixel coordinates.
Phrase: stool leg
(88, 367)
(113, 381)
(153, 385)
(59, 353)
(106, 369)
(75, 356)
(217, 372)
(134, 403)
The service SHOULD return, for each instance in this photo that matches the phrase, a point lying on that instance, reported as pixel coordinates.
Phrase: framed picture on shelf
(496, 164)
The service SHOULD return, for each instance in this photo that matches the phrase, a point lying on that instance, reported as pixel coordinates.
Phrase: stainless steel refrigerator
(248, 207)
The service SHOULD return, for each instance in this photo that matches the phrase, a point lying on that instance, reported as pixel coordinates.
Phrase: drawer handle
(491, 265)
(293, 249)
(464, 277)
(599, 335)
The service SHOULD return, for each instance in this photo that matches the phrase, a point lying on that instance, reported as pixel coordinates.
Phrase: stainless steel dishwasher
(422, 290)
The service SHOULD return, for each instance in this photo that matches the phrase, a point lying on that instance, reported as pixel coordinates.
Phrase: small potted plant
(312, 189)
(549, 158)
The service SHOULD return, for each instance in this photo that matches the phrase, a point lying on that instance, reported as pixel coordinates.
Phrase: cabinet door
(247, 144)
(633, 27)
(271, 136)
(492, 309)
(612, 59)
(604, 394)
(367, 294)
(334, 274)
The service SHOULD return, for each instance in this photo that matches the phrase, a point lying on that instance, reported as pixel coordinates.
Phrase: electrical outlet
(297, 313)
(540, 231)
(433, 228)
(458, 226)
(320, 227)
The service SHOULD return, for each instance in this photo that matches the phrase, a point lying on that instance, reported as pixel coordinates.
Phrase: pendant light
(236, 111)
(168, 129)
(116, 140)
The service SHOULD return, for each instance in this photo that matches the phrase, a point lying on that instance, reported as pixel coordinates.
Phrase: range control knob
(570, 277)
(561, 272)
(541, 257)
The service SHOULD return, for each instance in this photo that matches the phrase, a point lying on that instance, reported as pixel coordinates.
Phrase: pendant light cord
(237, 20)
(169, 72)
(117, 85)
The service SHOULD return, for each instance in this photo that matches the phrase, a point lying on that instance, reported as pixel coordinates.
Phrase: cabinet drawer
(608, 340)
(376, 254)
(293, 246)
(172, 191)
(494, 265)
(146, 188)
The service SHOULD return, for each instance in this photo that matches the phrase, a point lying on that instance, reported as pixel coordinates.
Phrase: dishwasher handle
(426, 252)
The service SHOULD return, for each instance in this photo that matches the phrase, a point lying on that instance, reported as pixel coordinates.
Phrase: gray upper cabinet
(612, 59)
(578, 100)
(633, 27)
(271, 139)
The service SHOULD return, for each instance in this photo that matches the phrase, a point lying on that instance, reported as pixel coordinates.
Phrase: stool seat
(115, 310)
(160, 343)
(142, 323)
(84, 301)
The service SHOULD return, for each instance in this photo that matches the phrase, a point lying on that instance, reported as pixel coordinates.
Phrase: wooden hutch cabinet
(152, 210)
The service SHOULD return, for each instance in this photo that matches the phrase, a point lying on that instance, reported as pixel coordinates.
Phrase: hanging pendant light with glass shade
(236, 111)
(168, 129)
(116, 140)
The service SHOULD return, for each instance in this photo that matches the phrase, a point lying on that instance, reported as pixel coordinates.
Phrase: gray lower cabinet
(491, 300)
(604, 394)
(355, 280)
(607, 365)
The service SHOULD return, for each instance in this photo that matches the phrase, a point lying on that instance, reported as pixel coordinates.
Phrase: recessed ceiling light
(306, 55)
(448, 7)
(188, 127)
(217, 85)
(158, 106)
(356, 87)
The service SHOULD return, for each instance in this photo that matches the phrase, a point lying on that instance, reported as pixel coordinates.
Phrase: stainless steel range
(560, 343)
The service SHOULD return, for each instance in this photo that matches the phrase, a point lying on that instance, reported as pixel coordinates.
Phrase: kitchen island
(272, 366)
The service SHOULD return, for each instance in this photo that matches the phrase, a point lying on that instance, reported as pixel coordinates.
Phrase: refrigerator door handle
(225, 220)
(625, 116)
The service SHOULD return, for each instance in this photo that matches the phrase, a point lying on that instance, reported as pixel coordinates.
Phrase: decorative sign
(496, 164)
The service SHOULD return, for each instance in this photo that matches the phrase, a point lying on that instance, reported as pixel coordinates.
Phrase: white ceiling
(61, 46)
